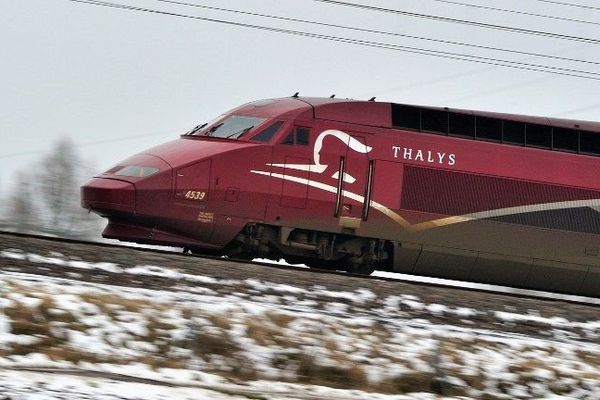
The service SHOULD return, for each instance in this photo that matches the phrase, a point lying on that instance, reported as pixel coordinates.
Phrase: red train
(364, 185)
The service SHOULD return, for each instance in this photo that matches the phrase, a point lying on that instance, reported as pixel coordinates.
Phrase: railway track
(455, 287)
(40, 255)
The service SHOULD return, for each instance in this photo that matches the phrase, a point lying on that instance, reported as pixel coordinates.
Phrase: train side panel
(462, 209)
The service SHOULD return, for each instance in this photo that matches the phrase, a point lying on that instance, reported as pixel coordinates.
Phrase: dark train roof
(378, 113)
(522, 130)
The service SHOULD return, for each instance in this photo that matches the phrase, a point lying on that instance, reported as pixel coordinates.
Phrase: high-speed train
(364, 185)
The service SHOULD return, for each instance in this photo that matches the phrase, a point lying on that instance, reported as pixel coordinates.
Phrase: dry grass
(473, 381)
(155, 362)
(213, 342)
(103, 302)
(34, 321)
(158, 334)
(593, 359)
(266, 334)
(187, 313)
(204, 345)
(352, 377)
(490, 396)
(67, 353)
(330, 345)
(220, 321)
(409, 383)
(262, 334)
(280, 320)
(110, 304)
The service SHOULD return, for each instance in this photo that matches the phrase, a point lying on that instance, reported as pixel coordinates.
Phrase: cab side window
(268, 133)
(299, 137)
(289, 139)
(302, 136)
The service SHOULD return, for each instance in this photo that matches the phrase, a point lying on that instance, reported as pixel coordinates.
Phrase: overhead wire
(375, 31)
(462, 21)
(506, 10)
(96, 142)
(366, 43)
(563, 3)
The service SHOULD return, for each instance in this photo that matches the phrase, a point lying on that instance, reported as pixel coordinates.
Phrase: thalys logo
(319, 168)
(428, 156)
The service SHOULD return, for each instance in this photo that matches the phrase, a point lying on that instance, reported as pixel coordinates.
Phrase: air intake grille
(454, 193)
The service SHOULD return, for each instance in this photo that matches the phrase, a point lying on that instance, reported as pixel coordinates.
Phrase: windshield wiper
(214, 128)
(196, 129)
(239, 133)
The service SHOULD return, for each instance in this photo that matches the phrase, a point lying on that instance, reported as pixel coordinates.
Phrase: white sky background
(136, 80)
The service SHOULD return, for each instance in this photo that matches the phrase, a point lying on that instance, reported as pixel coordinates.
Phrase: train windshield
(231, 127)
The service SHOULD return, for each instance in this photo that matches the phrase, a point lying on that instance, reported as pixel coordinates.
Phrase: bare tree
(57, 179)
(49, 200)
(61, 174)
(22, 212)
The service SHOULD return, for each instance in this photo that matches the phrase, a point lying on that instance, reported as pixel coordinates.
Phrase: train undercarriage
(316, 249)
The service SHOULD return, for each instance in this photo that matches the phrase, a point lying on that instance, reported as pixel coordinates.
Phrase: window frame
(294, 133)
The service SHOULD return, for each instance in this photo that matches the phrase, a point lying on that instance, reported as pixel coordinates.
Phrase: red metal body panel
(467, 202)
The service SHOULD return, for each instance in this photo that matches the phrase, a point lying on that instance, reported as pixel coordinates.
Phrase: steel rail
(453, 285)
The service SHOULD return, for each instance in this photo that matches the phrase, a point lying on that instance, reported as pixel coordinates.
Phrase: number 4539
(194, 195)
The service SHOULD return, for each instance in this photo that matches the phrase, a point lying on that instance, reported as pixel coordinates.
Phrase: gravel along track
(138, 268)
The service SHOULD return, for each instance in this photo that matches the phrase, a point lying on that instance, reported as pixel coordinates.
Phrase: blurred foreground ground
(125, 324)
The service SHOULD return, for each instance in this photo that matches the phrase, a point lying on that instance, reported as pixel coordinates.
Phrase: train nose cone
(108, 196)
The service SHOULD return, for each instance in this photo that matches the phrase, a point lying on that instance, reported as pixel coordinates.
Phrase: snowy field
(204, 337)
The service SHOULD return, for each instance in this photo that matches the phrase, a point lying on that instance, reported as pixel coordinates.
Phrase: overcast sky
(133, 80)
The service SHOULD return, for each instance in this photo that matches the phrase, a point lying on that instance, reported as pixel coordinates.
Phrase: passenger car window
(589, 142)
(538, 135)
(513, 132)
(488, 128)
(461, 125)
(566, 139)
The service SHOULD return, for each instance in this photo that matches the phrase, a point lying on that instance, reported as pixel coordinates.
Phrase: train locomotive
(363, 185)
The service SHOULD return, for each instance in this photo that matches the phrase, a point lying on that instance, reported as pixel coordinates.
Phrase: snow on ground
(487, 287)
(461, 284)
(274, 339)
(23, 385)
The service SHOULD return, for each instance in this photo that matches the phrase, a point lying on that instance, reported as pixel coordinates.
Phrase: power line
(562, 3)
(463, 22)
(505, 10)
(366, 43)
(95, 142)
(365, 30)
(453, 77)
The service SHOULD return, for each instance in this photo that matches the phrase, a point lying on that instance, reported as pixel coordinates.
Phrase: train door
(293, 156)
(354, 182)
(191, 194)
